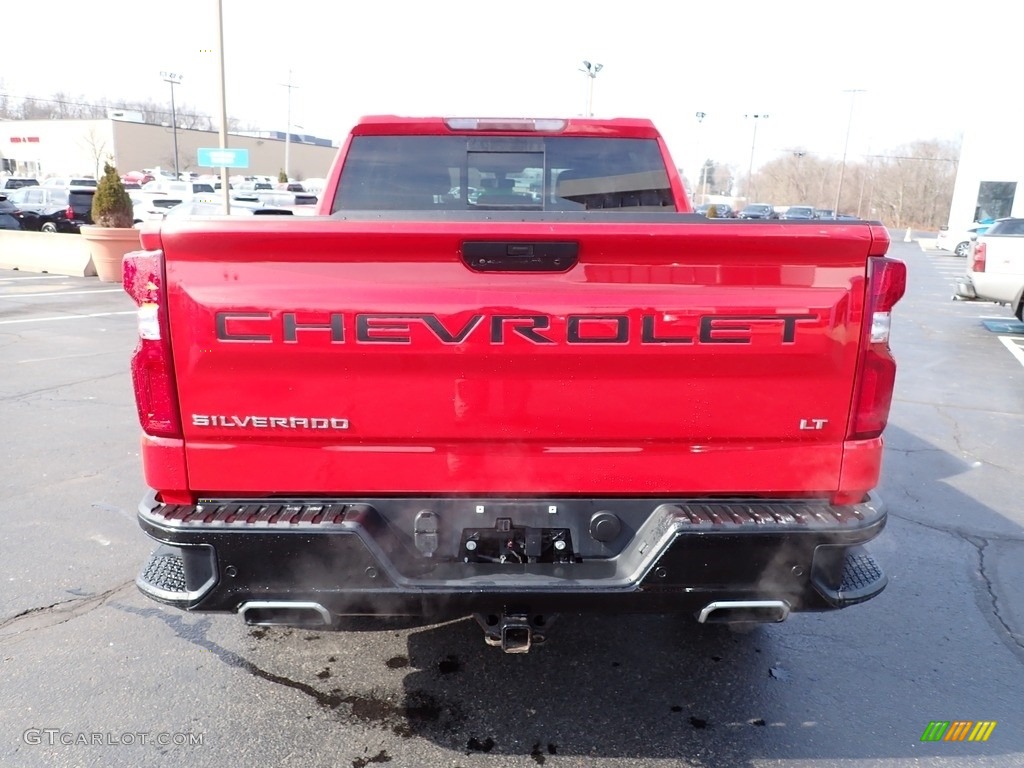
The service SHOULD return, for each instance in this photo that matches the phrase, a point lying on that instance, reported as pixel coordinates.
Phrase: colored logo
(958, 730)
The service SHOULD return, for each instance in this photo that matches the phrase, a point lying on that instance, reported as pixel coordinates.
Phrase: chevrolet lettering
(576, 329)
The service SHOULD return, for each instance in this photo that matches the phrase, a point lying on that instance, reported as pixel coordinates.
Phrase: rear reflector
(876, 369)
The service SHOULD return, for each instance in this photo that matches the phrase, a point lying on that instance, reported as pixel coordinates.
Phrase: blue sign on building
(228, 157)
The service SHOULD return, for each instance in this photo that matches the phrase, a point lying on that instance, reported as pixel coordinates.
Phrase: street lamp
(223, 98)
(842, 169)
(174, 79)
(288, 127)
(750, 165)
(703, 164)
(591, 70)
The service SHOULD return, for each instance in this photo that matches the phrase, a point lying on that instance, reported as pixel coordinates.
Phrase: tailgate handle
(519, 256)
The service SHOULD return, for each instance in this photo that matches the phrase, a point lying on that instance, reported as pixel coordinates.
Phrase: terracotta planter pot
(108, 245)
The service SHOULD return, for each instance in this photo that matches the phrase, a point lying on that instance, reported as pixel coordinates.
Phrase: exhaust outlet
(267, 613)
(744, 612)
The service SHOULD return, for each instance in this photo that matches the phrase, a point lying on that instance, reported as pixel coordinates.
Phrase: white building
(41, 148)
(991, 171)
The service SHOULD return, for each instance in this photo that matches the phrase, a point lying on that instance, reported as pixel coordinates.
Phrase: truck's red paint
(718, 415)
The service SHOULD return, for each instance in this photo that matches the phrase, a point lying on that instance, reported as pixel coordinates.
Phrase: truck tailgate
(331, 356)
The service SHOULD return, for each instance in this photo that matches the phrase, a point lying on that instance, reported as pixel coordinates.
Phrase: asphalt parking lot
(92, 673)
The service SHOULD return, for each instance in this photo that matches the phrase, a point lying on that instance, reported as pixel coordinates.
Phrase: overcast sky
(921, 68)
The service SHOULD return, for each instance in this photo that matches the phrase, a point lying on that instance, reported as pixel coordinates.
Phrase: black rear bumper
(323, 559)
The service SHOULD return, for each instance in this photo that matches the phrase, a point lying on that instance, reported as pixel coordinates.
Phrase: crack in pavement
(25, 395)
(195, 634)
(967, 408)
(980, 543)
(956, 531)
(1017, 640)
(955, 432)
(61, 612)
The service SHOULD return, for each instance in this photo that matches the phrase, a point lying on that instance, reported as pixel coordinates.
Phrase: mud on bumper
(316, 560)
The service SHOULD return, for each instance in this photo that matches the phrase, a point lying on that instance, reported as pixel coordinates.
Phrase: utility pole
(591, 70)
(288, 127)
(842, 169)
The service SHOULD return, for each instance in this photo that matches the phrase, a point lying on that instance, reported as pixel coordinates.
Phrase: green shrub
(111, 205)
(282, 177)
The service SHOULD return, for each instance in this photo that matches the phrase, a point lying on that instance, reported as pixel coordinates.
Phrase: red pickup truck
(507, 372)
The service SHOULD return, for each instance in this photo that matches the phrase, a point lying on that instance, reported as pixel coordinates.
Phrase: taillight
(69, 213)
(152, 365)
(978, 257)
(876, 369)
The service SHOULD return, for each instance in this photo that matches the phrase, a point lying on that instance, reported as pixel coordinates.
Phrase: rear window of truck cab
(419, 173)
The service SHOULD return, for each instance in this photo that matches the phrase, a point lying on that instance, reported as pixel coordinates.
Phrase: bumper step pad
(165, 572)
(861, 579)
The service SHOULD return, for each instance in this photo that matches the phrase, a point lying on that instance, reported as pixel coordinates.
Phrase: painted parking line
(34, 277)
(1016, 346)
(65, 317)
(57, 357)
(58, 293)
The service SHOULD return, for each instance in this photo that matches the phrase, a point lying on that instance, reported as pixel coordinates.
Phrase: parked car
(995, 266)
(315, 185)
(155, 198)
(722, 210)
(52, 209)
(71, 182)
(799, 212)
(238, 208)
(758, 211)
(151, 207)
(137, 177)
(179, 189)
(250, 186)
(16, 182)
(274, 198)
(959, 240)
(7, 211)
(825, 213)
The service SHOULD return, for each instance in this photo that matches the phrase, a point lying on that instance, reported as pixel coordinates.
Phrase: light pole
(288, 127)
(750, 165)
(842, 169)
(591, 70)
(703, 164)
(174, 79)
(799, 154)
(222, 93)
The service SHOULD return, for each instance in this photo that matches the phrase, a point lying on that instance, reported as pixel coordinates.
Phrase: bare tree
(97, 147)
(913, 186)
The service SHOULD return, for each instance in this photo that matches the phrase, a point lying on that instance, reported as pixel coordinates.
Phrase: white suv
(152, 201)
